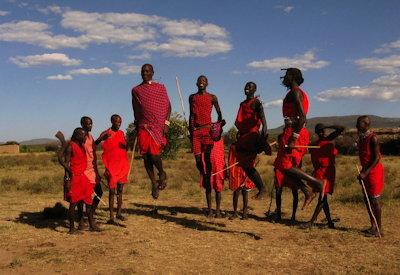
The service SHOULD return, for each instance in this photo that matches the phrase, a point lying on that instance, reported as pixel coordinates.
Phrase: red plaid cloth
(201, 108)
(217, 164)
(151, 102)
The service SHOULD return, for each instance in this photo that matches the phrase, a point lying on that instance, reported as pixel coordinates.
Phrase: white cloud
(193, 28)
(60, 77)
(387, 64)
(36, 33)
(161, 34)
(187, 47)
(91, 71)
(51, 9)
(304, 62)
(4, 13)
(273, 104)
(387, 47)
(384, 88)
(44, 59)
(286, 9)
(125, 69)
(140, 56)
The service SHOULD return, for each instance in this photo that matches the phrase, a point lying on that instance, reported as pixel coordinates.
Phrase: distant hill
(38, 141)
(347, 121)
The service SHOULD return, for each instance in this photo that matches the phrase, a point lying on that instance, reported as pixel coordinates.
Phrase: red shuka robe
(323, 160)
(115, 158)
(81, 188)
(375, 180)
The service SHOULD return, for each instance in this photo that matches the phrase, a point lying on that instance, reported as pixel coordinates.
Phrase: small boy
(115, 160)
(372, 172)
(79, 188)
(323, 160)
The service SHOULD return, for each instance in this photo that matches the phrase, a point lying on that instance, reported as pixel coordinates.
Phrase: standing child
(80, 188)
(115, 160)
(323, 160)
(238, 182)
(372, 172)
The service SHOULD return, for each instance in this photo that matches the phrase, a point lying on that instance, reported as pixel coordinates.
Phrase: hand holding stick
(368, 202)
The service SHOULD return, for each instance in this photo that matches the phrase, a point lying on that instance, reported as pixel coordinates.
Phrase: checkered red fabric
(217, 164)
(152, 102)
(201, 108)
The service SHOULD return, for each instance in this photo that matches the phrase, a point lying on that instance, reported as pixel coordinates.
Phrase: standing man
(372, 173)
(152, 109)
(295, 109)
(201, 104)
(249, 140)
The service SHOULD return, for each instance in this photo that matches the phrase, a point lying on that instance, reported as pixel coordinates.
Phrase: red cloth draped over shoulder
(323, 160)
(201, 109)
(151, 103)
(289, 108)
(247, 119)
(237, 176)
(217, 164)
(115, 158)
(81, 188)
(90, 173)
(375, 180)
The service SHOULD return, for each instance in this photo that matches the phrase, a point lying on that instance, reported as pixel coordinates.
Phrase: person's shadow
(152, 212)
(50, 217)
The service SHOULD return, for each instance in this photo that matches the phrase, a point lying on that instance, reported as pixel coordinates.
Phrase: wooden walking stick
(132, 157)
(304, 146)
(369, 203)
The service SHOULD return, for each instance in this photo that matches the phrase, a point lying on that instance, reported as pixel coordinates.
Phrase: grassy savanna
(180, 239)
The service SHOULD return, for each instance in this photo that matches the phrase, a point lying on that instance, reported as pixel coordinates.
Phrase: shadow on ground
(149, 211)
(50, 217)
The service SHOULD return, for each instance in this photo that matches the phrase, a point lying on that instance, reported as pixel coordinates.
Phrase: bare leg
(162, 176)
(92, 223)
(317, 210)
(325, 207)
(376, 208)
(278, 201)
(208, 198)
(218, 204)
(148, 164)
(300, 175)
(294, 206)
(71, 218)
(255, 177)
(235, 199)
(111, 195)
(120, 189)
(81, 219)
(99, 192)
(245, 196)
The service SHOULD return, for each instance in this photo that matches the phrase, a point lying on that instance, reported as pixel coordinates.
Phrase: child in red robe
(323, 160)
(372, 173)
(238, 182)
(80, 188)
(115, 160)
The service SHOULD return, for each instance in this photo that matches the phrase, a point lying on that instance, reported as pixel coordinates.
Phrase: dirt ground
(180, 239)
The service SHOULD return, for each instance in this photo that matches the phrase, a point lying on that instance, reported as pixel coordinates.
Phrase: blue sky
(60, 60)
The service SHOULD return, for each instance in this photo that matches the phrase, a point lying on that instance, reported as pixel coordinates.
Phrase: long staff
(369, 203)
(178, 87)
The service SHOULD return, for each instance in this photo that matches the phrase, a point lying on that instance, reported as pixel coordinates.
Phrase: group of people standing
(152, 109)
